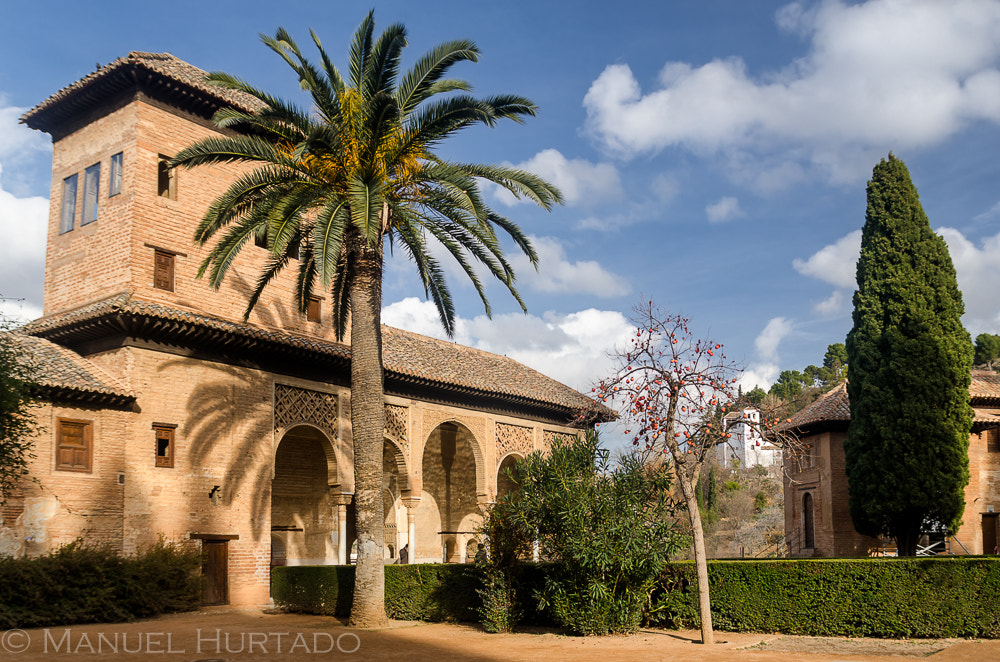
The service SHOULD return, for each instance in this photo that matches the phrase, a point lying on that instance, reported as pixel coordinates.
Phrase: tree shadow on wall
(230, 416)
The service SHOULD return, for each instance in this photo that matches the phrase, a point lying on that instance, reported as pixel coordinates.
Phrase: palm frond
(419, 83)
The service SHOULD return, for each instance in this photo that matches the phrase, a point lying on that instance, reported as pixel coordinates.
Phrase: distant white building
(746, 447)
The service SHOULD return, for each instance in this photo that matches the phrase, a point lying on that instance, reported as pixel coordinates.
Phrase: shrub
(606, 531)
(86, 584)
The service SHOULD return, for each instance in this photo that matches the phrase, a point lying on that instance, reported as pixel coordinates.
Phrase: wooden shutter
(163, 271)
(74, 445)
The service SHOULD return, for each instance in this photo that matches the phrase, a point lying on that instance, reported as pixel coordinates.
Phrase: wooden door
(215, 572)
(990, 533)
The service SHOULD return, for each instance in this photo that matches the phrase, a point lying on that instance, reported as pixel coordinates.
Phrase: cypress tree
(910, 356)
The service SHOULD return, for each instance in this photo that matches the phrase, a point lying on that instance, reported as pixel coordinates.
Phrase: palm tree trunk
(368, 425)
(700, 557)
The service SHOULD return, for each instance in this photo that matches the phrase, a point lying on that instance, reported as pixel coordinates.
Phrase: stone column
(342, 501)
(411, 504)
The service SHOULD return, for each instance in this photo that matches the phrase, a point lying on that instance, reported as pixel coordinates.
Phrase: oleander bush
(80, 583)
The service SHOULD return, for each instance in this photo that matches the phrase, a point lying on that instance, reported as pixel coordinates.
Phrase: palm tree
(336, 185)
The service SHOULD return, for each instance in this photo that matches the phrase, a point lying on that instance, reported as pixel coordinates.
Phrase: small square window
(68, 217)
(313, 309)
(91, 190)
(164, 434)
(163, 271)
(74, 445)
(166, 179)
(115, 178)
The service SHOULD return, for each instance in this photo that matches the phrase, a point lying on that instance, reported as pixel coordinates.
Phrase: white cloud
(836, 263)
(832, 306)
(878, 75)
(17, 140)
(580, 181)
(725, 209)
(569, 348)
(557, 274)
(759, 374)
(768, 340)
(23, 223)
(764, 370)
(978, 270)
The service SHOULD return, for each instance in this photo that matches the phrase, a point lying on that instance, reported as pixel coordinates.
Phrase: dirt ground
(223, 635)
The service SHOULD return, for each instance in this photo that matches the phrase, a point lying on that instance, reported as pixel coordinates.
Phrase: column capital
(411, 502)
(341, 498)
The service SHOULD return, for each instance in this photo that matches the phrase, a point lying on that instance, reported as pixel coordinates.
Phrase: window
(992, 440)
(68, 205)
(164, 434)
(808, 524)
(74, 443)
(166, 180)
(313, 309)
(163, 271)
(260, 240)
(115, 178)
(91, 189)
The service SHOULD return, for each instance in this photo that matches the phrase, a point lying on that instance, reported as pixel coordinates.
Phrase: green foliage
(835, 360)
(907, 448)
(935, 597)
(424, 592)
(759, 502)
(17, 424)
(987, 351)
(81, 584)
(607, 532)
(938, 597)
(790, 383)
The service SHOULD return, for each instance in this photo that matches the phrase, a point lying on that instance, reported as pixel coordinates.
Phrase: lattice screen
(513, 438)
(395, 425)
(299, 405)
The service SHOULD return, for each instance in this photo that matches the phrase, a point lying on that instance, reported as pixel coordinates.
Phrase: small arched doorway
(808, 524)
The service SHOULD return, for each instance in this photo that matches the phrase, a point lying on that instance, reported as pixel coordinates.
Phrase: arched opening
(449, 508)
(808, 527)
(394, 481)
(506, 484)
(301, 509)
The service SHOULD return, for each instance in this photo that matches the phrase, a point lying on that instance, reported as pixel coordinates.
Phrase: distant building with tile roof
(164, 414)
(817, 520)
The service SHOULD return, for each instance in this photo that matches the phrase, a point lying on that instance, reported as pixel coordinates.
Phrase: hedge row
(938, 597)
(931, 597)
(80, 584)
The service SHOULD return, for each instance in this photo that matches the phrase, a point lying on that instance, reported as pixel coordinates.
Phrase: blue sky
(713, 154)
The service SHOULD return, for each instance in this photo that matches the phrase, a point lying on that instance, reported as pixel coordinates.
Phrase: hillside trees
(909, 356)
(987, 353)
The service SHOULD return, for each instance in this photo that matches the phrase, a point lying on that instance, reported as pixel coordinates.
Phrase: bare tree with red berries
(673, 390)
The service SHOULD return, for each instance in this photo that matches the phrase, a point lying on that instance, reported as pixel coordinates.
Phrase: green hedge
(80, 584)
(938, 597)
(431, 592)
(933, 597)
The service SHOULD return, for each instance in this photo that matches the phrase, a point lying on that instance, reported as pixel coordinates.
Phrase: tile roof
(405, 353)
(985, 385)
(55, 367)
(164, 64)
(831, 406)
(834, 406)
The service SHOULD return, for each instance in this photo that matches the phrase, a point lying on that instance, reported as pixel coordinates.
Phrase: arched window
(808, 527)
